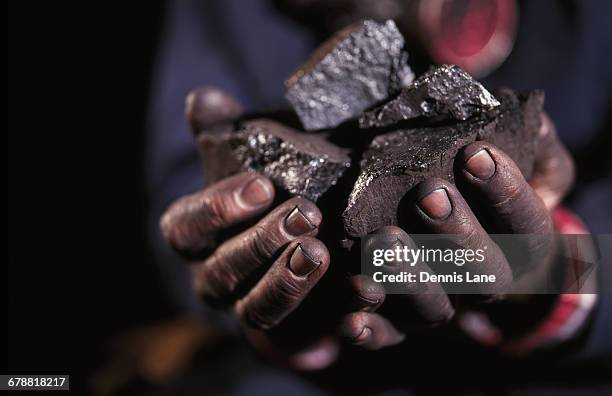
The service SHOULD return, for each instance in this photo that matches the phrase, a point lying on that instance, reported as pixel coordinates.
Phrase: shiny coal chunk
(357, 68)
(443, 90)
(300, 164)
(397, 161)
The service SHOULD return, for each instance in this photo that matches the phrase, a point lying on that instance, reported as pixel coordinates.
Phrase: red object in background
(476, 35)
(567, 317)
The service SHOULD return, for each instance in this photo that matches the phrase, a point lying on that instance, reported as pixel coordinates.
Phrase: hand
(263, 273)
(492, 197)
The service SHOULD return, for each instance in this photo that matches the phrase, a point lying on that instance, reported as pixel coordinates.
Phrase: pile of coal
(357, 91)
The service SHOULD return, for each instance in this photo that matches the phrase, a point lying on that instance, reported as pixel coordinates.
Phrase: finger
(208, 107)
(317, 356)
(189, 225)
(285, 285)
(554, 170)
(501, 185)
(422, 304)
(510, 201)
(367, 294)
(441, 209)
(369, 331)
(237, 259)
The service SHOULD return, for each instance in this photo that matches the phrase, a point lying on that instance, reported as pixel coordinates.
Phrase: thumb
(208, 107)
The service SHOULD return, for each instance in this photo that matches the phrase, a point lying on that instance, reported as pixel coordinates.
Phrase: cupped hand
(263, 272)
(490, 196)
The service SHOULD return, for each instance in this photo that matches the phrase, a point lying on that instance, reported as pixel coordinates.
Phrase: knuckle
(542, 224)
(288, 292)
(470, 237)
(509, 193)
(171, 223)
(446, 313)
(185, 229)
(216, 281)
(175, 234)
(263, 243)
(216, 209)
(168, 228)
(165, 224)
(266, 310)
(541, 240)
(253, 318)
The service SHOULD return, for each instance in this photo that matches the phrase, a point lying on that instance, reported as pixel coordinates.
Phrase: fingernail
(256, 193)
(481, 165)
(396, 244)
(365, 333)
(297, 223)
(369, 301)
(302, 264)
(436, 204)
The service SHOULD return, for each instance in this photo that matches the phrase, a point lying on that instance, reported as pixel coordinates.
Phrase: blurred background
(87, 292)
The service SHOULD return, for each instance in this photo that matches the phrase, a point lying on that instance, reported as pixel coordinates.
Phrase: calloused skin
(230, 272)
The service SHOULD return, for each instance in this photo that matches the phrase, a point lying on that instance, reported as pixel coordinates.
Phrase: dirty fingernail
(296, 223)
(436, 204)
(481, 165)
(301, 264)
